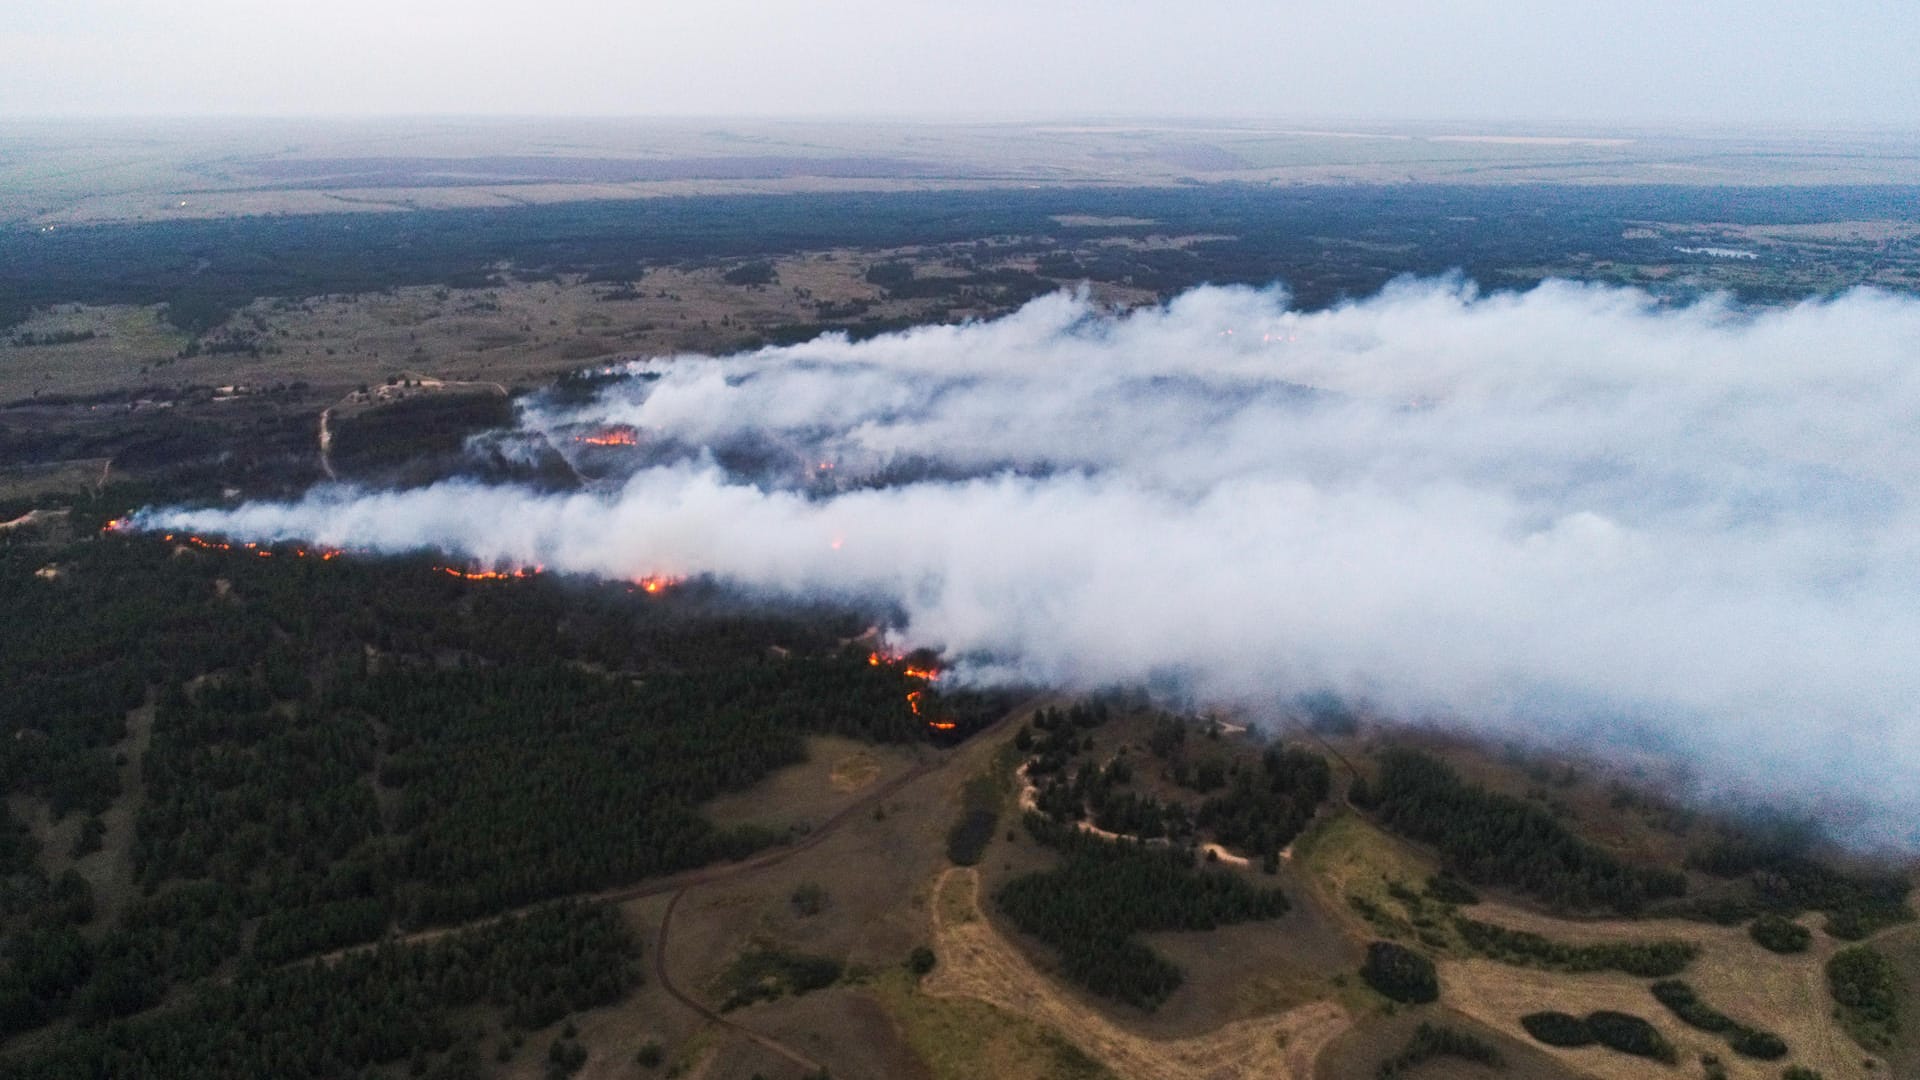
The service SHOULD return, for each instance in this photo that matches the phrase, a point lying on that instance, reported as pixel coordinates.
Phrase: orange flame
(655, 584)
(512, 574)
(942, 725)
(618, 435)
(913, 701)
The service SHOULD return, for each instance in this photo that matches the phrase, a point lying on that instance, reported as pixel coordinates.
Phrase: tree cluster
(1868, 990)
(1432, 1041)
(1495, 839)
(1524, 948)
(1103, 893)
(1400, 973)
(1777, 933)
(1747, 1041)
(1786, 879)
(1620, 1031)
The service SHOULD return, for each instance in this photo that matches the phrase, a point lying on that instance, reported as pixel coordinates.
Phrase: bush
(1400, 973)
(808, 899)
(1867, 989)
(1630, 1035)
(1759, 1045)
(1780, 934)
(1745, 1041)
(1433, 1040)
(1448, 889)
(921, 960)
(1558, 1029)
(1801, 1072)
(753, 273)
(564, 1058)
(767, 973)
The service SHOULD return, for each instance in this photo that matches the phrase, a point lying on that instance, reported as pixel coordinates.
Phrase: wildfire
(655, 584)
(907, 668)
(516, 573)
(258, 552)
(926, 674)
(617, 435)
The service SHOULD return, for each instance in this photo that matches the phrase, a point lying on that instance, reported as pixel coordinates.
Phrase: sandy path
(1030, 804)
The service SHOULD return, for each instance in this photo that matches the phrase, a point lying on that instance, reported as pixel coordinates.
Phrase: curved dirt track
(679, 886)
(977, 962)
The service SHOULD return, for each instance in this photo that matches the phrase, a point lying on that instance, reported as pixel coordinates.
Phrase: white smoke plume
(1571, 512)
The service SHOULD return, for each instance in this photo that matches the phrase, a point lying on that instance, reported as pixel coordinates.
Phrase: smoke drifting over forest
(1571, 512)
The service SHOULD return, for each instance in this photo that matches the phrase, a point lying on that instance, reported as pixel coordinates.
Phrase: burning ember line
(651, 584)
(924, 674)
(620, 435)
(517, 573)
(204, 544)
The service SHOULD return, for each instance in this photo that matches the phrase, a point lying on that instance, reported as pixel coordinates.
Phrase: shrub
(1759, 1045)
(1630, 1034)
(1685, 1004)
(1745, 1041)
(1780, 934)
(921, 960)
(1433, 1040)
(808, 899)
(1867, 989)
(1648, 959)
(1400, 973)
(1558, 1029)
(753, 273)
(1448, 889)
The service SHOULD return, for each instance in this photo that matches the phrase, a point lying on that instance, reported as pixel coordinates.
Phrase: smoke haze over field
(1566, 513)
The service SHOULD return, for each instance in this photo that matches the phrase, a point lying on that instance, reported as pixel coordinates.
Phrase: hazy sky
(1761, 62)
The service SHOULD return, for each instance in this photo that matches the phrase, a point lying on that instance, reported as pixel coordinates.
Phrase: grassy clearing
(963, 1039)
(1354, 858)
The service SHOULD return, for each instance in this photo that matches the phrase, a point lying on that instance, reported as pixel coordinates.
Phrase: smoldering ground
(1572, 511)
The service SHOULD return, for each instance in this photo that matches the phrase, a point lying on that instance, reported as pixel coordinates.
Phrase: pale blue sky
(1748, 63)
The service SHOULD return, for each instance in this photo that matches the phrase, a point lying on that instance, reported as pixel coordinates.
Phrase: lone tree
(1400, 973)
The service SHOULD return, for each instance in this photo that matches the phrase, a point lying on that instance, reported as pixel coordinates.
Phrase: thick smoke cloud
(1571, 512)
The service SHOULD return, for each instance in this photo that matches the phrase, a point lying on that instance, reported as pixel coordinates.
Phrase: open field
(64, 175)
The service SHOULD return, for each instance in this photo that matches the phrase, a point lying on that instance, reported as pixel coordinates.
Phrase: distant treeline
(204, 269)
